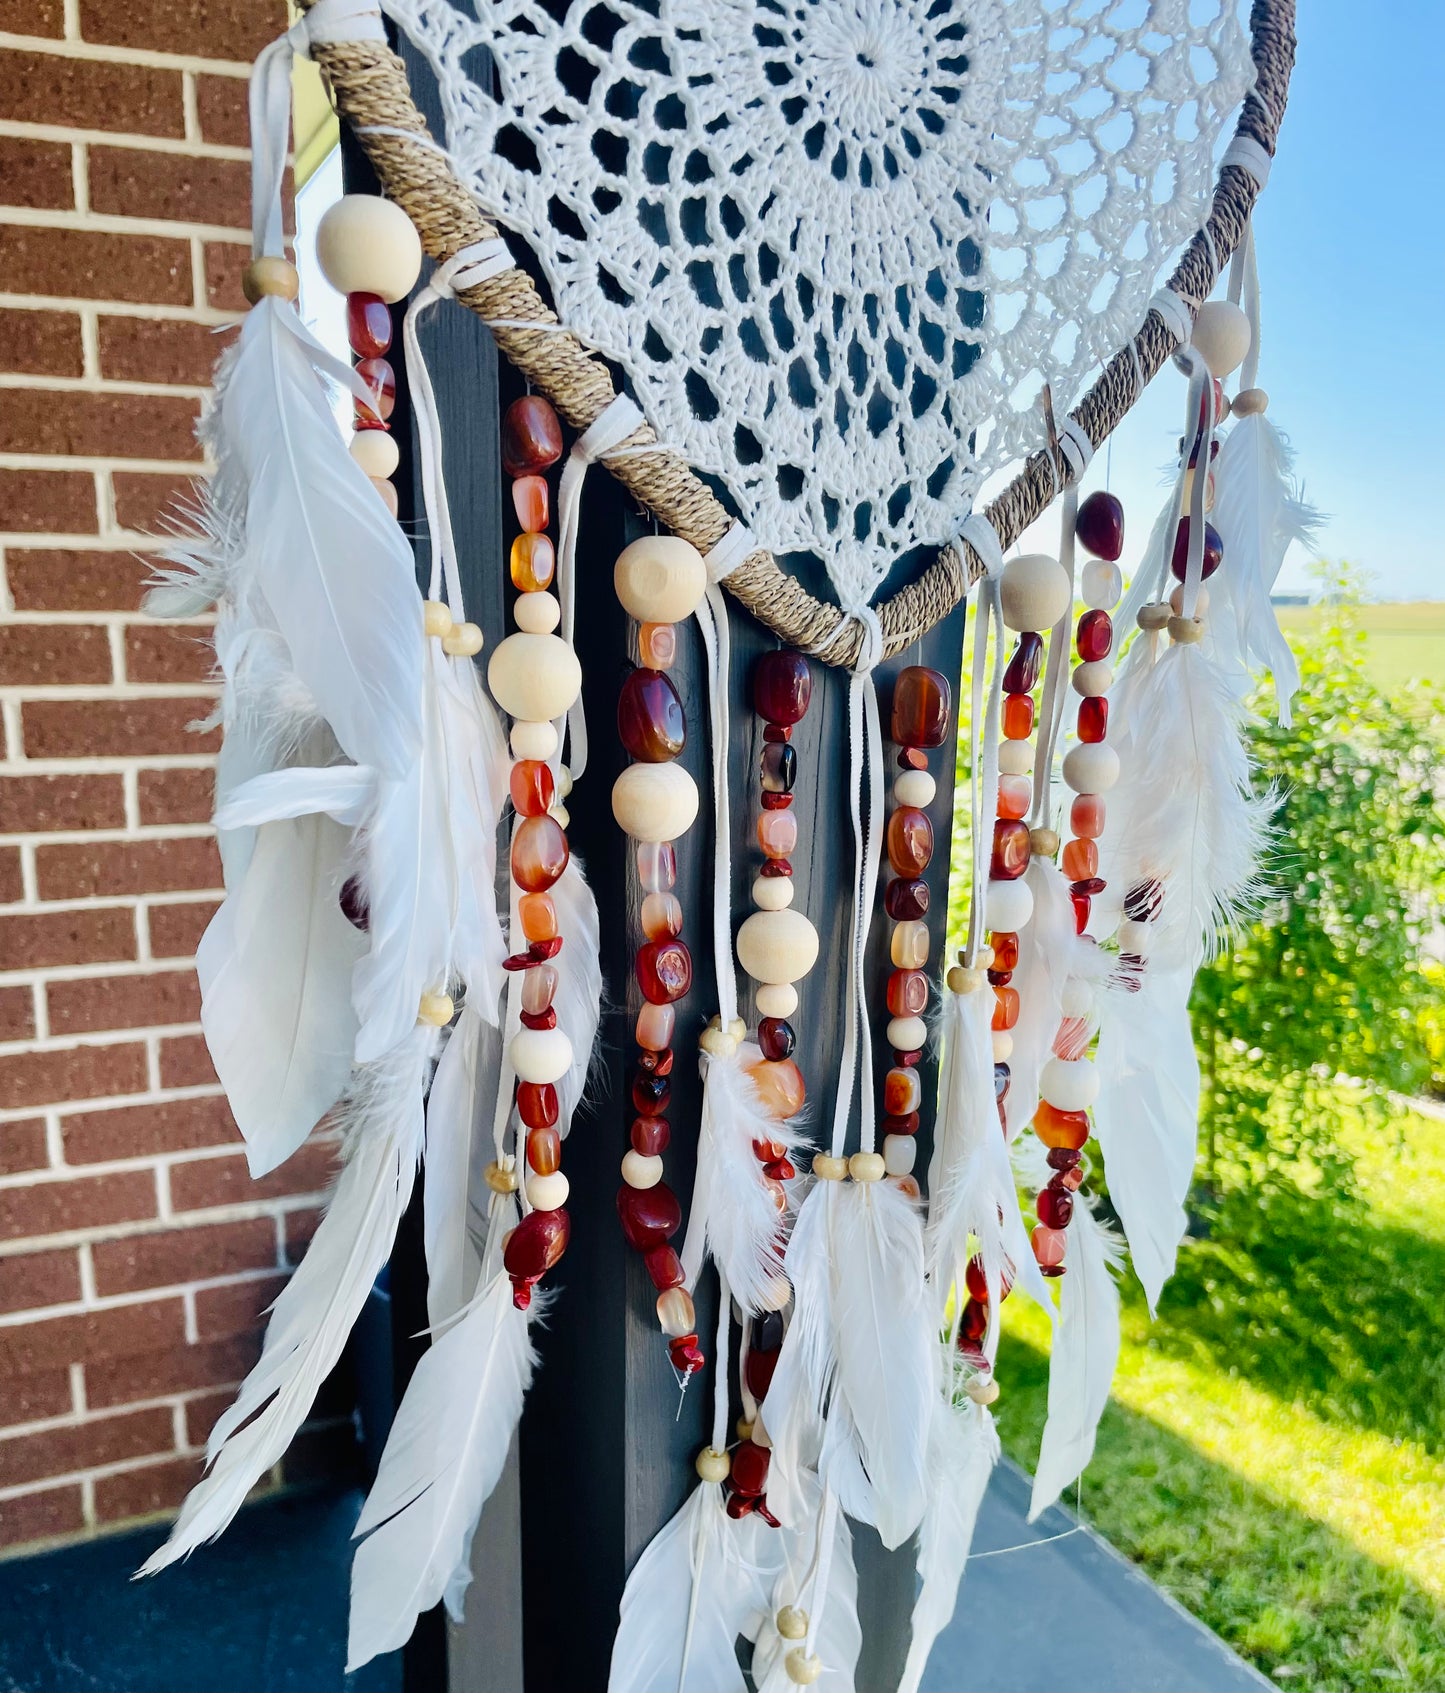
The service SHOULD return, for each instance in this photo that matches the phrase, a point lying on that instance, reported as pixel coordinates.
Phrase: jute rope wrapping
(372, 93)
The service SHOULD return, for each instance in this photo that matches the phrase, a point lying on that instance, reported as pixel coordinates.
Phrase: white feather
(443, 1457)
(1081, 1366)
(344, 792)
(314, 1314)
(837, 1636)
(1048, 951)
(462, 1091)
(578, 1000)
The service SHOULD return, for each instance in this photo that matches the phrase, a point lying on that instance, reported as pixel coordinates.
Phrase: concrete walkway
(1070, 1616)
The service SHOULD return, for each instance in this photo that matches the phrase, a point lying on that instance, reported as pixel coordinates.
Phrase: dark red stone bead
(910, 840)
(537, 1104)
(906, 898)
(368, 325)
(1089, 886)
(905, 1060)
(537, 1242)
(650, 719)
(518, 961)
(912, 758)
(1052, 1271)
(656, 1063)
(776, 1037)
(663, 970)
(665, 1268)
(687, 1356)
(1081, 912)
(650, 1135)
(761, 1510)
(1144, 900)
(540, 1019)
(973, 1321)
(921, 699)
(650, 1216)
(1093, 718)
(651, 1094)
(1022, 674)
(759, 1371)
(740, 1506)
(1000, 978)
(1213, 550)
(904, 1125)
(776, 867)
(776, 802)
(1100, 525)
(540, 951)
(1011, 849)
(1054, 1208)
(777, 731)
(531, 436)
(380, 378)
(779, 768)
(749, 1474)
(1094, 635)
(1064, 1157)
(782, 687)
(779, 1170)
(977, 1282)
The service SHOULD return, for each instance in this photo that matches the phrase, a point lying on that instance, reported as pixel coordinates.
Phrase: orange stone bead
(539, 854)
(1072, 1039)
(921, 700)
(661, 916)
(910, 840)
(777, 832)
(531, 502)
(544, 1151)
(533, 787)
(1080, 860)
(902, 1092)
(1086, 816)
(1018, 716)
(655, 1024)
(657, 645)
(780, 1086)
(1005, 944)
(1061, 1128)
(539, 917)
(534, 562)
(1014, 794)
(907, 993)
(1006, 1008)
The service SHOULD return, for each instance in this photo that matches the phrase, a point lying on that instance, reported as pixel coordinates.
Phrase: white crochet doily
(840, 245)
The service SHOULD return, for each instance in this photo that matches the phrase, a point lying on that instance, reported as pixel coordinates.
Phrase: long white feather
(578, 999)
(1085, 1351)
(1047, 952)
(314, 1314)
(837, 1635)
(443, 1457)
(462, 1093)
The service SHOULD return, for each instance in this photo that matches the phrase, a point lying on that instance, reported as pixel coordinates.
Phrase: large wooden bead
(654, 802)
(1091, 767)
(777, 946)
(269, 275)
(1069, 1084)
(1035, 592)
(540, 1055)
(1008, 905)
(1222, 336)
(660, 579)
(534, 677)
(367, 245)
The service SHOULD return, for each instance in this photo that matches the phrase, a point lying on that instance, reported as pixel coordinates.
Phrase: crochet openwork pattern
(839, 246)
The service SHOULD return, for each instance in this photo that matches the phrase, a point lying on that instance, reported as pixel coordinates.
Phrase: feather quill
(465, 1084)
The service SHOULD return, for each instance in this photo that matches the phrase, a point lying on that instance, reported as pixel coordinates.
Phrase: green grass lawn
(1275, 1452)
(1406, 639)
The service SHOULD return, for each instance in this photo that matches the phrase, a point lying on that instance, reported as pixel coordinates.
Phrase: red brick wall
(135, 1256)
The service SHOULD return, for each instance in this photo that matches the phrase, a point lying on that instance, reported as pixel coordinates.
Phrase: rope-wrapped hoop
(372, 93)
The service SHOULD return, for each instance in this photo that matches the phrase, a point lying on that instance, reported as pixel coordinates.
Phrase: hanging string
(983, 736)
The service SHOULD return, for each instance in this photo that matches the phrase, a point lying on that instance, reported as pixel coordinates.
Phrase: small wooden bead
(387, 493)
(1035, 592)
(500, 1180)
(376, 451)
(985, 959)
(867, 1167)
(654, 802)
(792, 1623)
(535, 677)
(1101, 585)
(717, 1043)
(900, 1152)
(803, 1667)
(367, 245)
(435, 1009)
(743, 1428)
(907, 1034)
(773, 893)
(641, 1170)
(776, 999)
(1091, 767)
(533, 740)
(1003, 1046)
(269, 275)
(537, 613)
(660, 579)
(1250, 402)
(1186, 631)
(547, 1193)
(828, 1168)
(1043, 843)
(777, 946)
(712, 1465)
(1069, 1084)
(915, 788)
(462, 640)
(1201, 601)
(1008, 905)
(982, 1390)
(1015, 758)
(1092, 679)
(435, 618)
(965, 978)
(540, 1055)
(1154, 615)
(1222, 336)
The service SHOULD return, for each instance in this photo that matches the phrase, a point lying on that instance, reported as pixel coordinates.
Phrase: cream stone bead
(547, 1193)
(367, 245)
(1101, 585)
(654, 802)
(1250, 402)
(1201, 601)
(1134, 937)
(540, 1055)
(776, 999)
(1092, 679)
(463, 640)
(712, 1465)
(537, 614)
(660, 579)
(1222, 336)
(1003, 1046)
(376, 451)
(500, 1180)
(915, 787)
(1186, 631)
(907, 1034)
(827, 1168)
(792, 1623)
(1007, 906)
(867, 1167)
(982, 1390)
(640, 1169)
(1153, 616)
(534, 676)
(1092, 767)
(435, 1009)
(1077, 999)
(435, 618)
(775, 946)
(900, 1153)
(564, 781)
(1069, 1084)
(533, 740)
(386, 491)
(803, 1667)
(1035, 592)
(1015, 758)
(270, 275)
(773, 893)
(560, 816)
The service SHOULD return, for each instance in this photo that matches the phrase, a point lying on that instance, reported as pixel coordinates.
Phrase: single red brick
(53, 654)
(72, 579)
(200, 1184)
(41, 1516)
(12, 881)
(40, 343)
(234, 30)
(123, 1002)
(82, 264)
(37, 804)
(298, 1228)
(176, 930)
(145, 1492)
(183, 1255)
(23, 1147)
(80, 870)
(185, 1063)
(60, 502)
(142, 1131)
(169, 652)
(150, 503)
(236, 1308)
(33, 17)
(174, 796)
(28, 1079)
(35, 1395)
(32, 940)
(76, 1202)
(70, 423)
(86, 1446)
(96, 1339)
(92, 94)
(33, 1280)
(17, 1018)
(224, 262)
(36, 173)
(202, 1416)
(110, 728)
(140, 349)
(176, 187)
(175, 1368)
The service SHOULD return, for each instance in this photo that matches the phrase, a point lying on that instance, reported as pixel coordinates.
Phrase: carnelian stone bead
(782, 687)
(976, 1280)
(539, 985)
(1063, 1157)
(1061, 1128)
(368, 325)
(778, 767)
(780, 1086)
(651, 1094)
(973, 1321)
(1049, 1247)
(539, 854)
(1018, 716)
(657, 645)
(1094, 635)
(663, 970)
(661, 916)
(650, 1216)
(655, 1024)
(907, 993)
(749, 1473)
(665, 1268)
(656, 866)
(921, 699)
(650, 1135)
(380, 378)
(537, 1104)
(777, 833)
(759, 1370)
(1005, 944)
(1054, 1208)
(1011, 849)
(532, 502)
(777, 867)
(906, 898)
(540, 1019)
(1080, 860)
(650, 719)
(912, 758)
(1081, 911)
(544, 1151)
(536, 1244)
(1014, 794)
(1093, 718)
(902, 1092)
(1086, 816)
(539, 917)
(533, 563)
(910, 840)
(776, 802)
(1213, 550)
(1022, 674)
(531, 436)
(533, 787)
(1006, 1008)
(1100, 525)
(656, 1063)
(776, 1038)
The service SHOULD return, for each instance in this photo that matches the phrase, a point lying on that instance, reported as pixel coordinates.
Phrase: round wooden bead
(777, 946)
(435, 1009)
(1154, 615)
(1101, 584)
(1008, 905)
(899, 1154)
(1093, 679)
(547, 1193)
(965, 978)
(1035, 592)
(712, 1465)
(376, 451)
(268, 275)
(907, 1034)
(435, 618)
(1069, 1084)
(641, 1169)
(1091, 767)
(535, 677)
(792, 1623)
(660, 579)
(533, 740)
(773, 893)
(540, 1055)
(462, 640)
(915, 788)
(982, 1390)
(367, 245)
(537, 613)
(867, 1167)
(1222, 336)
(654, 802)
(1201, 601)
(500, 1180)
(1043, 843)
(1015, 758)
(803, 1667)
(1003, 1046)
(776, 999)
(1250, 402)
(1186, 631)
(828, 1168)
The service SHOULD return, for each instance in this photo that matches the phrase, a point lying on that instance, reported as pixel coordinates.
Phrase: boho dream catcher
(839, 250)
